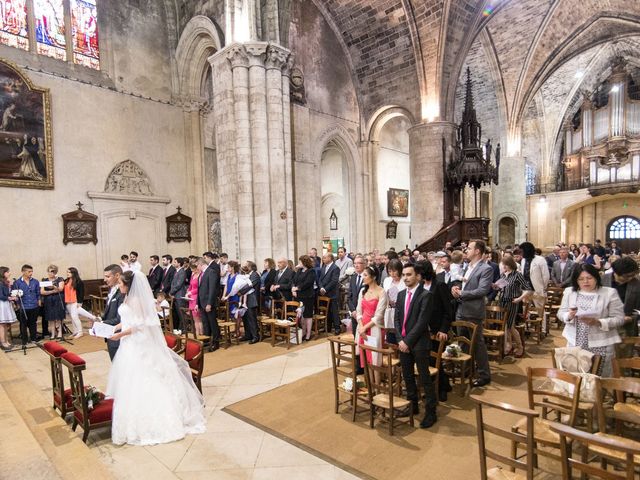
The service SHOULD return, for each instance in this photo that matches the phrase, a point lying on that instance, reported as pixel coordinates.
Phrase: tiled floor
(231, 448)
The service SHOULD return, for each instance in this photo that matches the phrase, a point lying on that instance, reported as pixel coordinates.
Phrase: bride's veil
(140, 300)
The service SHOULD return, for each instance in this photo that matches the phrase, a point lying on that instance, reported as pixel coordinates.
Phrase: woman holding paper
(392, 285)
(51, 289)
(372, 304)
(155, 399)
(515, 288)
(592, 314)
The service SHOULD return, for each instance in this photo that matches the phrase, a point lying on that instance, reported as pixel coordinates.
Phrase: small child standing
(162, 305)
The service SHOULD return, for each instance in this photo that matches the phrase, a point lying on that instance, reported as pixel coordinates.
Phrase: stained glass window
(50, 31)
(624, 227)
(13, 23)
(84, 24)
(530, 178)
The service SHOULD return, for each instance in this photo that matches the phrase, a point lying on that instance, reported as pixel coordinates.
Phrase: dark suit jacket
(420, 312)
(442, 316)
(329, 280)
(111, 315)
(167, 278)
(631, 302)
(155, 278)
(285, 282)
(269, 280)
(209, 286)
(252, 299)
(354, 292)
(178, 285)
(496, 276)
(305, 281)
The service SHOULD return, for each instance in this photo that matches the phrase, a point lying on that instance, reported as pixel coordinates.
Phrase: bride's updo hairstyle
(127, 280)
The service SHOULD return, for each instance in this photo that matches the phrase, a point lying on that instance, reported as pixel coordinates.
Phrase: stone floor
(230, 449)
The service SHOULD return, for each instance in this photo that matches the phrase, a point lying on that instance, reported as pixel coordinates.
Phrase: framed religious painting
(26, 154)
(397, 202)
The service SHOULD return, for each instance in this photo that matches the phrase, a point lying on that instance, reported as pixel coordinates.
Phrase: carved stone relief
(128, 178)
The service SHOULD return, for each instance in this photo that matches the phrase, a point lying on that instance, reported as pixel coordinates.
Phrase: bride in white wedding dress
(155, 399)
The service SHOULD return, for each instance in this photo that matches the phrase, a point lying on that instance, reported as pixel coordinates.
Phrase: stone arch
(337, 136)
(199, 40)
(381, 116)
(506, 220)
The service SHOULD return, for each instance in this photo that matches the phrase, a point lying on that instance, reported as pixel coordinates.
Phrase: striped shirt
(516, 283)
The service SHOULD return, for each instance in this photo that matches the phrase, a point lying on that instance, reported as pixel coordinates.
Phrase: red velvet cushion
(73, 359)
(54, 348)
(192, 350)
(67, 395)
(102, 412)
(171, 341)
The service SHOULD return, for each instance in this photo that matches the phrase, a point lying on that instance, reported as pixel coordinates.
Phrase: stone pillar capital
(257, 53)
(237, 56)
(191, 103)
(277, 57)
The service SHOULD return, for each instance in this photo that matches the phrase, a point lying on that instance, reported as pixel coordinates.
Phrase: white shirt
(468, 273)
(224, 273)
(112, 292)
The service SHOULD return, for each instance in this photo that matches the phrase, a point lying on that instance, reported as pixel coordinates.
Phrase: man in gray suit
(562, 269)
(471, 296)
(177, 291)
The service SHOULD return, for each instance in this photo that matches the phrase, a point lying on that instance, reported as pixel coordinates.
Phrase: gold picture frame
(26, 149)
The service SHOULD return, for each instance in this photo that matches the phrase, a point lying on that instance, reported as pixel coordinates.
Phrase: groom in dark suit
(114, 300)
(328, 285)
(414, 309)
(208, 289)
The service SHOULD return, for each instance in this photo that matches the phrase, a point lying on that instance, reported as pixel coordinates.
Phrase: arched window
(624, 227)
(530, 178)
(66, 30)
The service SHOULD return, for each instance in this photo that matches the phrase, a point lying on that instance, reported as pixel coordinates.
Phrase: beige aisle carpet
(302, 413)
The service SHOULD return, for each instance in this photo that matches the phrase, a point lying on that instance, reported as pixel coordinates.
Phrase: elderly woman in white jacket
(592, 314)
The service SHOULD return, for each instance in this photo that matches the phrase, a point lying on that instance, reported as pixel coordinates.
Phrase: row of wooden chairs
(535, 429)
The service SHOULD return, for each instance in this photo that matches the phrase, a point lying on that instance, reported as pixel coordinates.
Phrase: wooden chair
(629, 347)
(552, 305)
(626, 367)
(547, 399)
(194, 355)
(495, 331)
(532, 317)
(320, 319)
(383, 383)
(98, 304)
(525, 438)
(189, 327)
(229, 326)
(283, 327)
(167, 319)
(174, 342)
(462, 366)
(617, 404)
(277, 308)
(62, 399)
(436, 370)
(343, 362)
(619, 447)
(585, 409)
(100, 415)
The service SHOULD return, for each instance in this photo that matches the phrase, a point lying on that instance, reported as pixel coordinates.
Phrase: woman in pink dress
(372, 304)
(192, 294)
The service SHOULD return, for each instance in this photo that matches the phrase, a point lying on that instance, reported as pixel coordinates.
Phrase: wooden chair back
(188, 326)
(194, 355)
(344, 365)
(495, 318)
(384, 378)
(277, 307)
(323, 305)
(289, 310)
(626, 367)
(547, 398)
(461, 335)
(484, 427)
(437, 353)
(174, 342)
(572, 437)
(621, 412)
(629, 347)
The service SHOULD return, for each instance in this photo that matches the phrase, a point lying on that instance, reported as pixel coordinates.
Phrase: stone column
(277, 57)
(509, 196)
(288, 158)
(426, 200)
(372, 238)
(254, 151)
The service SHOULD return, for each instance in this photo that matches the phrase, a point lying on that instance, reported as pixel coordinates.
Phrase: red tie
(407, 305)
